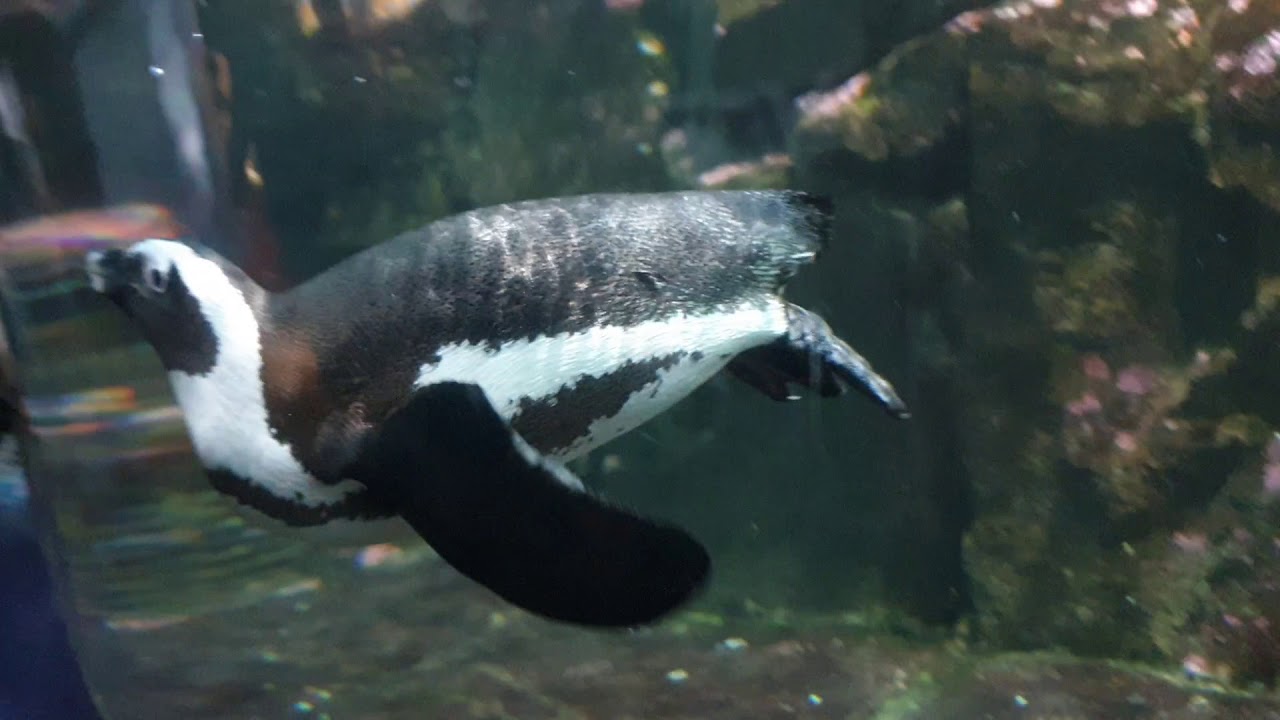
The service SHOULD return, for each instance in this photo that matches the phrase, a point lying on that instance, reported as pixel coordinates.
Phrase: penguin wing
(520, 524)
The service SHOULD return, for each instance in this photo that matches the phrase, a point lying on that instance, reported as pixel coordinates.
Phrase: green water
(1055, 233)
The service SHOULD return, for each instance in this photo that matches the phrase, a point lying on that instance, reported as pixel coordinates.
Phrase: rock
(1246, 100)
(1044, 686)
(907, 103)
(770, 171)
(1089, 323)
(1100, 63)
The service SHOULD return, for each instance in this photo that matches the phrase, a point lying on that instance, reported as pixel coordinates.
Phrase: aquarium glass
(1053, 226)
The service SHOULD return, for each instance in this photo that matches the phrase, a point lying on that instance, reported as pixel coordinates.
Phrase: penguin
(448, 374)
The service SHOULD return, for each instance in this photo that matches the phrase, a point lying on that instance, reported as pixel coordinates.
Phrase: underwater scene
(576, 359)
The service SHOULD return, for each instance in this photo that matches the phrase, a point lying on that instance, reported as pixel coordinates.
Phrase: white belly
(671, 385)
(524, 370)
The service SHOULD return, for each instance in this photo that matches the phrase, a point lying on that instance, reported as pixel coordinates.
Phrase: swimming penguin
(448, 374)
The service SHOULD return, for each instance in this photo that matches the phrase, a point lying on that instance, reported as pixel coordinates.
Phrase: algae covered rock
(1092, 317)
(1047, 686)
(906, 104)
(1097, 63)
(1246, 100)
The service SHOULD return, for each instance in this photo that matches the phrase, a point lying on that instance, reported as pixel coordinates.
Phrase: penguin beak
(107, 270)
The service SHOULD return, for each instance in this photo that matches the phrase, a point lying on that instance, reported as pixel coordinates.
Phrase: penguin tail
(790, 228)
(814, 214)
(519, 524)
(811, 355)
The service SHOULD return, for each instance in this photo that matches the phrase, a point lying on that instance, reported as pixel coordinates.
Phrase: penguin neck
(236, 308)
(230, 390)
(227, 411)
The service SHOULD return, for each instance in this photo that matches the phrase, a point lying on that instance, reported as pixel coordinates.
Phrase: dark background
(39, 677)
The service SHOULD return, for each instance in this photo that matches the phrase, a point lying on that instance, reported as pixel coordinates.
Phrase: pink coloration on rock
(1195, 666)
(1126, 442)
(1142, 8)
(1273, 449)
(1183, 18)
(1271, 470)
(966, 23)
(623, 5)
(1136, 380)
(1201, 364)
(1095, 368)
(375, 555)
(830, 105)
(1261, 55)
(1271, 479)
(1086, 404)
(1194, 543)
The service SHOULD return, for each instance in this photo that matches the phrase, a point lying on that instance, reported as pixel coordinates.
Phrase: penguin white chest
(576, 391)
(225, 408)
(230, 431)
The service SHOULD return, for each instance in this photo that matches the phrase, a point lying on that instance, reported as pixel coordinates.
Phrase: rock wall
(1102, 310)
(1057, 234)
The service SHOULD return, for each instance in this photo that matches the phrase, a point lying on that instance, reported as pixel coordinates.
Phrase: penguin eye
(156, 280)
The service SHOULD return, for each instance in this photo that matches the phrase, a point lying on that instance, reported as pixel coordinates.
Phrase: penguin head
(183, 297)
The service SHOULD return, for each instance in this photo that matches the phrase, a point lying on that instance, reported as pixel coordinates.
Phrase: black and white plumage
(447, 374)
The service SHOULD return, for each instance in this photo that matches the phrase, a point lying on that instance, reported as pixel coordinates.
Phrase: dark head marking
(157, 284)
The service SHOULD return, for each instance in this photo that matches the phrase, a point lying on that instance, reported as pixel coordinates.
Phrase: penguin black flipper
(519, 524)
(772, 369)
(811, 355)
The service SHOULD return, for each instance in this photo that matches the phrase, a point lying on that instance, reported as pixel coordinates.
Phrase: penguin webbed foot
(810, 355)
(520, 524)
